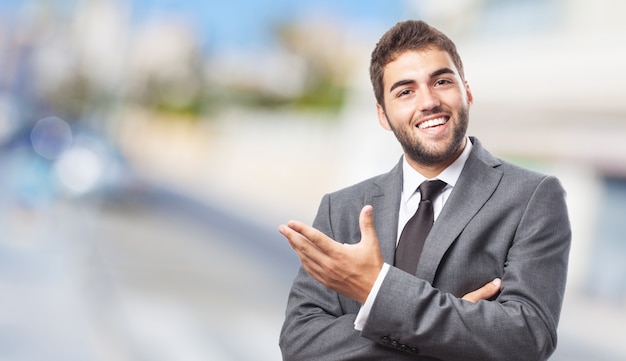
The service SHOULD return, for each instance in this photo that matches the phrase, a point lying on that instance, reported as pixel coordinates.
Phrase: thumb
(366, 223)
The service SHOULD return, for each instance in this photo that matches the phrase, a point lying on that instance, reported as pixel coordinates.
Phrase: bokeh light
(51, 137)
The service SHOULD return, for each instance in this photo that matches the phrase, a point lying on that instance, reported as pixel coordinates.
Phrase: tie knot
(429, 188)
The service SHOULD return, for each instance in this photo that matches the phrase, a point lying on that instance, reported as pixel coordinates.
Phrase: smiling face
(426, 105)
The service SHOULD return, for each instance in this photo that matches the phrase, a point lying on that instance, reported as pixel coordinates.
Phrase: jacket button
(385, 340)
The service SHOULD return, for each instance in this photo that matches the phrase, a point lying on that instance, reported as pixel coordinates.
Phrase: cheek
(403, 116)
(457, 102)
(401, 112)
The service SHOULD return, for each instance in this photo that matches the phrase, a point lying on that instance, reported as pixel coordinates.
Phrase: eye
(404, 92)
(443, 81)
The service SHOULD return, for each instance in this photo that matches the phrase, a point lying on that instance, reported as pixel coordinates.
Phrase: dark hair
(407, 35)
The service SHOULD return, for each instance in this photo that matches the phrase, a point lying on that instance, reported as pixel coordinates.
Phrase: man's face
(426, 106)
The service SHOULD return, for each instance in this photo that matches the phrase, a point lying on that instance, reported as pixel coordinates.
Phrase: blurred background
(150, 148)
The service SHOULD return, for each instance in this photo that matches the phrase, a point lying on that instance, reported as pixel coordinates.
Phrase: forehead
(417, 64)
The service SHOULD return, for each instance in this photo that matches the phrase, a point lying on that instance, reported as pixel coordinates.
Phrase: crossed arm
(350, 269)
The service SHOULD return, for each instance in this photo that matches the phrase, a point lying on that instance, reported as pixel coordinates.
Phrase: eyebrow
(401, 83)
(432, 75)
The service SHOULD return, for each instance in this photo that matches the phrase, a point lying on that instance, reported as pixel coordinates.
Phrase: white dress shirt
(409, 201)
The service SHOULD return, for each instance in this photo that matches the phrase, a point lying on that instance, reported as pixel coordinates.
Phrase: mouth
(434, 122)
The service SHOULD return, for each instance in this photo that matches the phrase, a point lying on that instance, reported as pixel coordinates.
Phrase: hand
(485, 292)
(349, 269)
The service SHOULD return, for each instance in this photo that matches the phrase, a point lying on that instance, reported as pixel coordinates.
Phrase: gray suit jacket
(499, 221)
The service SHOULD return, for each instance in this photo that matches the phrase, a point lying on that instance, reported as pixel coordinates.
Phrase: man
(490, 280)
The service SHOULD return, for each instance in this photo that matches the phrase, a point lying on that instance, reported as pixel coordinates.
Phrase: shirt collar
(411, 178)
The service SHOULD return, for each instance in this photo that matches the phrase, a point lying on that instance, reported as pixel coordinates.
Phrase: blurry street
(133, 280)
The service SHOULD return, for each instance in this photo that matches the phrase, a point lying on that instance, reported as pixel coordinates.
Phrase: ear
(382, 117)
(470, 96)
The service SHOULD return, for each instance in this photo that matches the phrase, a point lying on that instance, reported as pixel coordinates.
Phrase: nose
(427, 99)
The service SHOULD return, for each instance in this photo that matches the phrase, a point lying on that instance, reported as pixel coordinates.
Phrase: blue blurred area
(89, 261)
(245, 23)
(607, 279)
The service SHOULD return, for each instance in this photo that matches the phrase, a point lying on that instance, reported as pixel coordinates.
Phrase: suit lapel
(478, 180)
(386, 202)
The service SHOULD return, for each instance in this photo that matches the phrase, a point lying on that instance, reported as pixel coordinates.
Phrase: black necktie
(415, 231)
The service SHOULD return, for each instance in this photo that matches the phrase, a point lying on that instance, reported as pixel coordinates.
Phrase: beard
(423, 153)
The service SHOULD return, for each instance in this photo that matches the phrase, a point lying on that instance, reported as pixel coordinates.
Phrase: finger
(315, 237)
(300, 244)
(310, 256)
(485, 292)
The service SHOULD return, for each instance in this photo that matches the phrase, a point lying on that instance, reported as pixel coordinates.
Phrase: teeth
(432, 123)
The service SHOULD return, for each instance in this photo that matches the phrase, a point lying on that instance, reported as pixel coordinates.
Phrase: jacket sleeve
(319, 323)
(520, 324)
